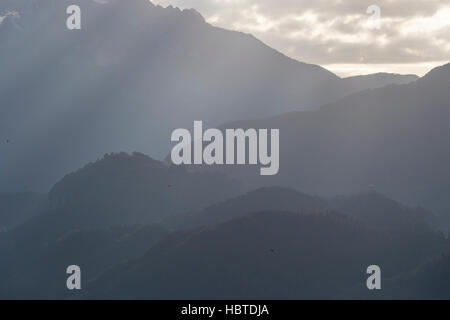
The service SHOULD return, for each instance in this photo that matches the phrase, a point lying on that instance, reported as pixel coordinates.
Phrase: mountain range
(371, 208)
(363, 174)
(267, 243)
(129, 77)
(266, 255)
(391, 139)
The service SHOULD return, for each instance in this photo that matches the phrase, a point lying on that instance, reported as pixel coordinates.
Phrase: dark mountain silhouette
(371, 209)
(131, 75)
(377, 210)
(376, 80)
(128, 189)
(95, 220)
(391, 139)
(93, 250)
(269, 198)
(118, 190)
(265, 255)
(15, 208)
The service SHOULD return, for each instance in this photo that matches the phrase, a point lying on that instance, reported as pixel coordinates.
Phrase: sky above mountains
(413, 37)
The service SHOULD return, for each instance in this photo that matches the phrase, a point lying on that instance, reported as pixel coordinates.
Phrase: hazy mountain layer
(248, 246)
(370, 208)
(131, 75)
(391, 139)
(266, 255)
(128, 189)
(360, 83)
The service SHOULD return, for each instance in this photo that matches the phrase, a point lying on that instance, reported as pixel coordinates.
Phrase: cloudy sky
(411, 36)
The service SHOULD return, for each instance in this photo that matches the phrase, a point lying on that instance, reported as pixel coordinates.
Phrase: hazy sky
(413, 35)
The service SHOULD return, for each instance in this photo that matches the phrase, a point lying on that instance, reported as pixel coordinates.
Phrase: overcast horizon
(411, 39)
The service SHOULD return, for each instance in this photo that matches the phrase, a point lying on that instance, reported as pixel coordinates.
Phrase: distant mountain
(131, 75)
(265, 255)
(264, 199)
(118, 190)
(371, 209)
(15, 208)
(380, 212)
(392, 139)
(102, 217)
(378, 80)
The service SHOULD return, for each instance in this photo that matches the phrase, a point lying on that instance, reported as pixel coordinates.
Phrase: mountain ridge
(126, 84)
(390, 138)
(263, 255)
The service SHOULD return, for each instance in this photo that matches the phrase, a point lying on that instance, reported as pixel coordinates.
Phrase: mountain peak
(439, 75)
(194, 14)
